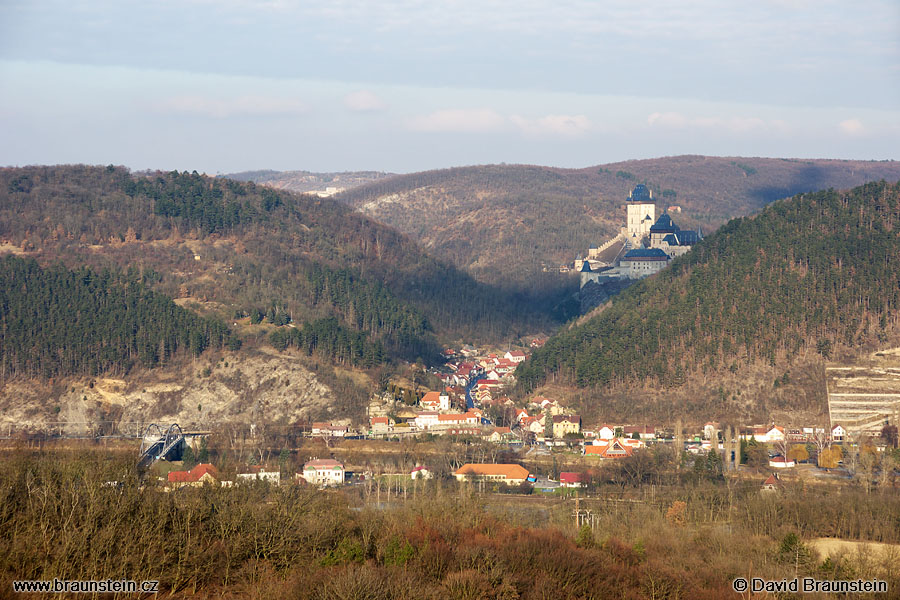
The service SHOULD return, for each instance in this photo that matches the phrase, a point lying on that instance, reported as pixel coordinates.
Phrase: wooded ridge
(817, 273)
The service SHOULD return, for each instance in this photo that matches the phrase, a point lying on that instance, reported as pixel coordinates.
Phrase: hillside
(502, 222)
(262, 258)
(809, 278)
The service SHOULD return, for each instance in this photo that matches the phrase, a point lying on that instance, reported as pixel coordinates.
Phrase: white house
(838, 433)
(515, 356)
(323, 472)
(765, 435)
(606, 433)
(781, 462)
(426, 420)
(329, 430)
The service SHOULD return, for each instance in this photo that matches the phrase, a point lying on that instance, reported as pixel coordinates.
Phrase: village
(473, 411)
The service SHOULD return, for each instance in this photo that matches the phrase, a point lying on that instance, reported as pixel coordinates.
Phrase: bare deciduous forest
(59, 518)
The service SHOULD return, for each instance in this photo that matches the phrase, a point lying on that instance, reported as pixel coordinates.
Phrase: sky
(222, 86)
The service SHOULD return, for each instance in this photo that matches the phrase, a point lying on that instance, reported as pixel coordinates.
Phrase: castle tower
(640, 212)
(585, 273)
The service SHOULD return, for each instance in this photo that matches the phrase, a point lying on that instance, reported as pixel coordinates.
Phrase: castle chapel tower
(640, 213)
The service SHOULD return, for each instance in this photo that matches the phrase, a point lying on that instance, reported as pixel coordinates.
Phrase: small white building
(272, 477)
(838, 433)
(323, 472)
(421, 473)
(515, 356)
(426, 420)
(606, 432)
(781, 462)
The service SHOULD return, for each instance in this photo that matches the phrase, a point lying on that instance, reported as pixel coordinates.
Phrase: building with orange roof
(503, 473)
(199, 475)
(614, 448)
(435, 401)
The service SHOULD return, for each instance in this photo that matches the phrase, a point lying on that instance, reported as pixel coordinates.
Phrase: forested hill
(815, 274)
(265, 258)
(504, 221)
(60, 322)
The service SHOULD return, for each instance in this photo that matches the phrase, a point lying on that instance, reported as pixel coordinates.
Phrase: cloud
(219, 108)
(852, 127)
(676, 120)
(553, 125)
(364, 101)
(477, 120)
(485, 120)
(673, 120)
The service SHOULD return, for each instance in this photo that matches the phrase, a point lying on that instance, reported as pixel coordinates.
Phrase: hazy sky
(407, 85)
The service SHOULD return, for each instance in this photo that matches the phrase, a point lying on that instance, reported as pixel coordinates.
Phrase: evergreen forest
(55, 322)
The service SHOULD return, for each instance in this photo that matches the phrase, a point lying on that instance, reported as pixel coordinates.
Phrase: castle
(644, 246)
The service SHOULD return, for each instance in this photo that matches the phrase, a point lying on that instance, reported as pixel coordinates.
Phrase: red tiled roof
(194, 474)
(204, 468)
(566, 477)
(431, 397)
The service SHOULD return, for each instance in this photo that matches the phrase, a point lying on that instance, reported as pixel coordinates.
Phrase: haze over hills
(502, 222)
(731, 328)
(308, 181)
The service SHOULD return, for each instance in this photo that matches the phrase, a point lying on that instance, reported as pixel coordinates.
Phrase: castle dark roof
(683, 237)
(586, 267)
(640, 193)
(686, 237)
(646, 254)
(664, 224)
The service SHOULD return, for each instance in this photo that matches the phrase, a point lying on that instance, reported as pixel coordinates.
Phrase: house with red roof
(645, 432)
(435, 401)
(381, 425)
(771, 484)
(201, 474)
(572, 480)
(533, 424)
(500, 434)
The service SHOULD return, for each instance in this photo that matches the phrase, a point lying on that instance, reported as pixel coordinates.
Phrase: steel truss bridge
(159, 444)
